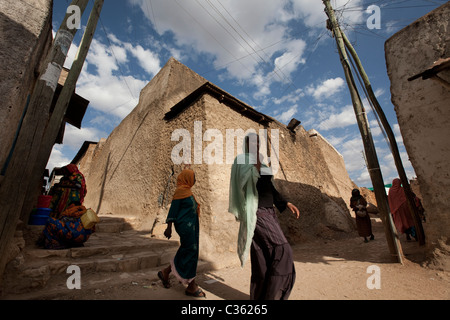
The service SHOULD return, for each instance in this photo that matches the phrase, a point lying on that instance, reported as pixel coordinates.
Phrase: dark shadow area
(102, 190)
(353, 248)
(315, 240)
(313, 222)
(217, 286)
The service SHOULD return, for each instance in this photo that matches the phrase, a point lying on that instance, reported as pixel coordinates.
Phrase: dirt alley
(325, 269)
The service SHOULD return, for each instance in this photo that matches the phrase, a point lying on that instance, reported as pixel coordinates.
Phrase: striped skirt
(273, 271)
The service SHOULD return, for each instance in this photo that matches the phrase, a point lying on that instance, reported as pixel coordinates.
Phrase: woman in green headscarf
(252, 198)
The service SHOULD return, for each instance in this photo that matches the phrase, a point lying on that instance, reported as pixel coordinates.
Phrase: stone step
(126, 262)
(115, 247)
(36, 274)
(100, 244)
(127, 251)
(115, 224)
(56, 287)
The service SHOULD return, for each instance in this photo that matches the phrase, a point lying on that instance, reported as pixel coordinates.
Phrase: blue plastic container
(38, 220)
(43, 212)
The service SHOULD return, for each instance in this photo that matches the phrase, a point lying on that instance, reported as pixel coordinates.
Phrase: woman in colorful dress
(184, 214)
(64, 228)
(71, 189)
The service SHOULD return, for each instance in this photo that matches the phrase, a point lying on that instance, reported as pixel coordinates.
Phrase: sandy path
(326, 270)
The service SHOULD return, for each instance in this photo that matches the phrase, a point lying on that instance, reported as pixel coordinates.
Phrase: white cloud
(108, 88)
(340, 120)
(288, 114)
(57, 158)
(253, 34)
(312, 11)
(327, 88)
(148, 60)
(105, 85)
(375, 128)
(292, 97)
(75, 137)
(288, 62)
(398, 134)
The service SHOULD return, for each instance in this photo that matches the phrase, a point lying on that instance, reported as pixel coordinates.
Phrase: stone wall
(423, 113)
(31, 22)
(131, 174)
(130, 171)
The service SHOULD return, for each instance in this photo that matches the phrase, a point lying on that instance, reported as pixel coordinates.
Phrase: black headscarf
(355, 195)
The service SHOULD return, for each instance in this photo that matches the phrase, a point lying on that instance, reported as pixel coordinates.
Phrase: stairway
(113, 250)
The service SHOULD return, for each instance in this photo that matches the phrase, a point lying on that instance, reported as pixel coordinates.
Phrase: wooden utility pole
(373, 165)
(18, 173)
(393, 144)
(58, 114)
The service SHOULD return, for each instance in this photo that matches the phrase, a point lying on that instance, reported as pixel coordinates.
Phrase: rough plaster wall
(423, 113)
(130, 170)
(86, 160)
(336, 166)
(306, 180)
(322, 209)
(30, 21)
(125, 178)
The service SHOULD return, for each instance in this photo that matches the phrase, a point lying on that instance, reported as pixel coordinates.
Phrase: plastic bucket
(43, 212)
(38, 220)
(44, 201)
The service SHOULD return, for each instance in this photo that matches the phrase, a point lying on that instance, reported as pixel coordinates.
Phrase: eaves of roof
(224, 98)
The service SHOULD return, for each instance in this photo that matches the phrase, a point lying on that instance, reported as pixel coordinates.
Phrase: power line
(212, 36)
(277, 69)
(115, 58)
(153, 13)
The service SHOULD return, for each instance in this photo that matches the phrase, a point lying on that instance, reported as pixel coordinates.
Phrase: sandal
(197, 294)
(166, 283)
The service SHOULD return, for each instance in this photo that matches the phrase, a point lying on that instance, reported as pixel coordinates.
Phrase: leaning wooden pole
(393, 143)
(373, 165)
(59, 112)
(16, 179)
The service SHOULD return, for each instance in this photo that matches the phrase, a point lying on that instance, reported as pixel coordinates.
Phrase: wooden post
(369, 147)
(62, 103)
(16, 180)
(394, 148)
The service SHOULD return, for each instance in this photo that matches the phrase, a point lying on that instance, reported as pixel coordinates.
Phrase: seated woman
(64, 228)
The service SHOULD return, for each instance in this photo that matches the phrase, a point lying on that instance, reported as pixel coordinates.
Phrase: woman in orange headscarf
(184, 213)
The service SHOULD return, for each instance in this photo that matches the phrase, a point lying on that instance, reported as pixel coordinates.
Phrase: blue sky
(275, 55)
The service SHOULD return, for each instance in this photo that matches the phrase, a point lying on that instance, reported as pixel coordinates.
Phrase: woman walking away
(401, 214)
(184, 213)
(363, 223)
(252, 199)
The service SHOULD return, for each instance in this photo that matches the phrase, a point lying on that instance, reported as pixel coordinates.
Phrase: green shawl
(243, 200)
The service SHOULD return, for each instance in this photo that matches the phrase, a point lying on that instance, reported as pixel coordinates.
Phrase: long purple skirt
(273, 271)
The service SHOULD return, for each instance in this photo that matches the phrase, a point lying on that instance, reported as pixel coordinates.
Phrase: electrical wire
(115, 58)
